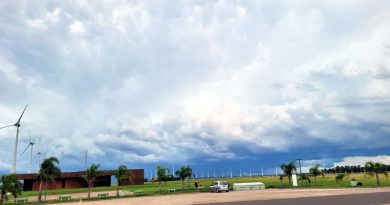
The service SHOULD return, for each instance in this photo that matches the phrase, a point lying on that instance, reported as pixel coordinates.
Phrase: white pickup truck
(219, 186)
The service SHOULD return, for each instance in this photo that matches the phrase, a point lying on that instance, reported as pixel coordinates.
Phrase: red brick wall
(75, 183)
(138, 178)
(75, 180)
(50, 185)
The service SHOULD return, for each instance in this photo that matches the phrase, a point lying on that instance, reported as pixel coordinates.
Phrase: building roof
(73, 174)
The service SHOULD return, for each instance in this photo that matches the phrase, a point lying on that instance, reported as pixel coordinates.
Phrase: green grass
(328, 181)
(270, 182)
(66, 191)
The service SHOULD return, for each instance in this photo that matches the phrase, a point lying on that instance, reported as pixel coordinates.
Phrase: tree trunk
(45, 189)
(117, 189)
(89, 190)
(377, 179)
(159, 186)
(182, 184)
(189, 183)
(2, 198)
(40, 190)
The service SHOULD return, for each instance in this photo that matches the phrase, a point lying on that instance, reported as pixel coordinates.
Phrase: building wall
(138, 178)
(75, 180)
(33, 184)
(74, 183)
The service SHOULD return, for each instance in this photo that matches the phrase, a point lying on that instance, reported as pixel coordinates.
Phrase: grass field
(270, 182)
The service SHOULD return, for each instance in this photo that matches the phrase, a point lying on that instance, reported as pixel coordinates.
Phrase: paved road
(348, 196)
(380, 198)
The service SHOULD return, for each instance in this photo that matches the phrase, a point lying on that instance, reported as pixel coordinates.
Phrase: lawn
(328, 181)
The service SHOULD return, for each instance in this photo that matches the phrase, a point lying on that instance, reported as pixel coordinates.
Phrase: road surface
(380, 198)
(353, 196)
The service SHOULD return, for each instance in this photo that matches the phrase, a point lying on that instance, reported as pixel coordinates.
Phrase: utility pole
(262, 173)
(189, 179)
(86, 158)
(300, 168)
(250, 172)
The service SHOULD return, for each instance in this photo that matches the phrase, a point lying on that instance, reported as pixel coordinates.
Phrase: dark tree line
(351, 169)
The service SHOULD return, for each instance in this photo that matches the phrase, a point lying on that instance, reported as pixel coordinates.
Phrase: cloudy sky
(214, 84)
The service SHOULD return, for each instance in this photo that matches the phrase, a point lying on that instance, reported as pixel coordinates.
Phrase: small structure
(76, 180)
(294, 180)
(248, 186)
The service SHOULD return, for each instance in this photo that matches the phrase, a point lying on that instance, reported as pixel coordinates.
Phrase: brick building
(76, 180)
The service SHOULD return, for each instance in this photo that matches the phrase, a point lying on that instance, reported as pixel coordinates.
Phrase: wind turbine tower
(31, 155)
(17, 125)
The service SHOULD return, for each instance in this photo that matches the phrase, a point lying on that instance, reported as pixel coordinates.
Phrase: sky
(216, 85)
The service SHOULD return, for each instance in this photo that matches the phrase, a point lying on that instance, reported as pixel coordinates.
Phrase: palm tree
(9, 184)
(48, 172)
(376, 168)
(121, 174)
(288, 170)
(183, 173)
(90, 176)
(315, 171)
(162, 175)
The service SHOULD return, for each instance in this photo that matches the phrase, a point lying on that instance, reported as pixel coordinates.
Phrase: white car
(218, 186)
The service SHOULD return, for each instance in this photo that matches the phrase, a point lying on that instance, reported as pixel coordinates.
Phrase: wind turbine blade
(25, 149)
(17, 123)
(20, 133)
(6, 126)
(36, 156)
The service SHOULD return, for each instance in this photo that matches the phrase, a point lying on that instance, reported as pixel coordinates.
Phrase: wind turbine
(38, 155)
(39, 159)
(31, 154)
(17, 125)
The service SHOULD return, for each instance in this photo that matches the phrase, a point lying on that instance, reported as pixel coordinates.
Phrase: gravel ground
(207, 198)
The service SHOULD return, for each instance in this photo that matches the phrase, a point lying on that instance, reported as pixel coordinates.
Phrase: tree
(305, 177)
(315, 171)
(288, 170)
(162, 175)
(121, 174)
(48, 172)
(339, 177)
(375, 168)
(183, 173)
(9, 184)
(90, 176)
